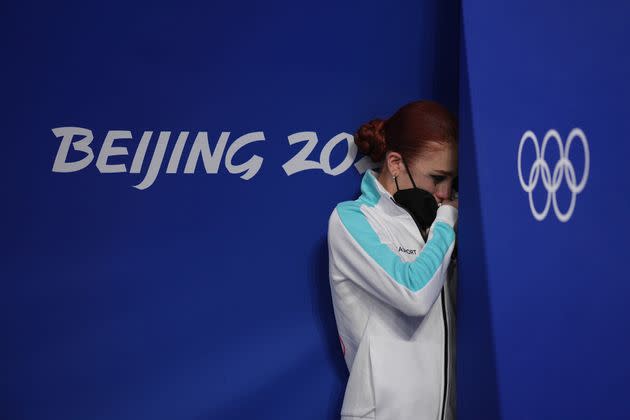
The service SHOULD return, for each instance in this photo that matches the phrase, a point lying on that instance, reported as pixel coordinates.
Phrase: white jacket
(395, 322)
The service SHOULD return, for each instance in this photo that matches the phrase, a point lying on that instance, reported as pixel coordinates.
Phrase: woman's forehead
(439, 156)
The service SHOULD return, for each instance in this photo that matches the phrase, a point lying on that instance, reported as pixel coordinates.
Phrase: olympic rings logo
(552, 181)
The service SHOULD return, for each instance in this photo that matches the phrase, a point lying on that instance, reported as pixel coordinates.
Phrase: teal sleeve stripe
(413, 275)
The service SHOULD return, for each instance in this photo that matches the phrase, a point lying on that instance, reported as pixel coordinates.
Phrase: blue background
(543, 327)
(205, 296)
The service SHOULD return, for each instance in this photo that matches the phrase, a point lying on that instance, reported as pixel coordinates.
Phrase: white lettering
(61, 165)
(201, 147)
(253, 164)
(109, 150)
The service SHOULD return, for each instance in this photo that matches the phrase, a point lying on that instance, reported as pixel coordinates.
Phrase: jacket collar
(373, 192)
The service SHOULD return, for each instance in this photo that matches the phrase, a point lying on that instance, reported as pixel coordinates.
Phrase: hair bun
(370, 139)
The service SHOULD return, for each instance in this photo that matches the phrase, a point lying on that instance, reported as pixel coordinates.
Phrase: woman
(391, 275)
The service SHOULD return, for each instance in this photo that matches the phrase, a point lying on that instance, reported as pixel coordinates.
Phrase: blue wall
(543, 322)
(195, 295)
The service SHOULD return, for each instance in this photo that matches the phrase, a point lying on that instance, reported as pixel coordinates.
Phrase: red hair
(410, 131)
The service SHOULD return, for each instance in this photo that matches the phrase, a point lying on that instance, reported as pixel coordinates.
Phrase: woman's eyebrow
(442, 172)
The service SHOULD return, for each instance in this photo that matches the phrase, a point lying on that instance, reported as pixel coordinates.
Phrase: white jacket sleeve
(360, 256)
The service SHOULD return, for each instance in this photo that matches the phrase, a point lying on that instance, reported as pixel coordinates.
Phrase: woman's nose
(443, 192)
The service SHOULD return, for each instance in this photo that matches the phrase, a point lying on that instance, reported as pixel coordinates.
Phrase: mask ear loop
(408, 172)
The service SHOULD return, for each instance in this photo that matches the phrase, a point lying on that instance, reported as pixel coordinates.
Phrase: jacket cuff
(447, 214)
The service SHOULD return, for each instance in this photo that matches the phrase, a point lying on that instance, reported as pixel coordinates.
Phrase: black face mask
(420, 203)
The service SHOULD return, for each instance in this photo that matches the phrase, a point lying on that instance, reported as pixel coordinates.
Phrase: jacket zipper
(445, 353)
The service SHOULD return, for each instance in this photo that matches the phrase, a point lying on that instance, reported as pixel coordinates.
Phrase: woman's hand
(453, 203)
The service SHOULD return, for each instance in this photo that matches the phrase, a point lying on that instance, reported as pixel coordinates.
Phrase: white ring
(553, 180)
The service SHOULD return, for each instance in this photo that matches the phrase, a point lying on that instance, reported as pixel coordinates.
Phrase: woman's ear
(393, 160)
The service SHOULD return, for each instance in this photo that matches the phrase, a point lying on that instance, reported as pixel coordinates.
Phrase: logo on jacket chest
(407, 250)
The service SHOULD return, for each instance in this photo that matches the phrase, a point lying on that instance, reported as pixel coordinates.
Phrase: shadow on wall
(324, 311)
(444, 88)
(477, 389)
